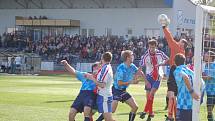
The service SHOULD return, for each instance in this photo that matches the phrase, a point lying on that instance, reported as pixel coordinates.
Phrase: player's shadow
(138, 113)
(59, 101)
(122, 114)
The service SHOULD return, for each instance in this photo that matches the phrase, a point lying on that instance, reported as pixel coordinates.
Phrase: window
(152, 32)
(59, 31)
(11, 30)
(108, 31)
(84, 32)
(91, 32)
(129, 31)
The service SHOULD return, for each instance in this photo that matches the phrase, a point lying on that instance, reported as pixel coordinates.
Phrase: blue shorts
(120, 95)
(104, 104)
(84, 98)
(184, 115)
(210, 100)
(154, 84)
(167, 70)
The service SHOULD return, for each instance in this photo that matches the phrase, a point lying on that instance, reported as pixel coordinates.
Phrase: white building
(102, 17)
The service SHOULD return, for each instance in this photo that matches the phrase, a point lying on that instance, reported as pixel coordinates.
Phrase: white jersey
(105, 75)
(147, 62)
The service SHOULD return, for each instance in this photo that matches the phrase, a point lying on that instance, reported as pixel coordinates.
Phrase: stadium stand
(79, 47)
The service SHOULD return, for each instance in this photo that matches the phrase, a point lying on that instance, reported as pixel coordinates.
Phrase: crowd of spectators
(85, 49)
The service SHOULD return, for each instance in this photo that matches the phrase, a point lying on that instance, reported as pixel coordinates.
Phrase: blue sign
(180, 17)
(189, 21)
(168, 3)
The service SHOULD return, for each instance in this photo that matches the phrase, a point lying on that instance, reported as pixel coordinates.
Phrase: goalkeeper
(175, 48)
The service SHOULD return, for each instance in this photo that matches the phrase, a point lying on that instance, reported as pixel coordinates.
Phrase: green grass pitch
(48, 98)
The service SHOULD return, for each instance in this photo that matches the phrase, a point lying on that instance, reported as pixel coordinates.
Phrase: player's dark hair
(179, 59)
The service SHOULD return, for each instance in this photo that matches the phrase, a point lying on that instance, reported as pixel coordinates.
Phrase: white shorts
(104, 104)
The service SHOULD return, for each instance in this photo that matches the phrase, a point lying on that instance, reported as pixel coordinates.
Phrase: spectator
(209, 77)
(13, 65)
(90, 48)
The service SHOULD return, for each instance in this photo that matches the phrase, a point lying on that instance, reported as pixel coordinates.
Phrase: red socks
(149, 105)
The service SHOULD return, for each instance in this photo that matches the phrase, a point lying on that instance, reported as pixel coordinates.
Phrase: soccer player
(152, 59)
(126, 74)
(184, 80)
(175, 48)
(209, 77)
(86, 97)
(104, 81)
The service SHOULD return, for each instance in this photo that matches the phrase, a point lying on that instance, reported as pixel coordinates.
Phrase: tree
(205, 2)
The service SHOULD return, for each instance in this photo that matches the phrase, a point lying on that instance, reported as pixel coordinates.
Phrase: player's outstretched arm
(189, 87)
(169, 38)
(92, 77)
(140, 72)
(144, 78)
(164, 63)
(206, 78)
(137, 75)
(68, 67)
(121, 83)
(164, 21)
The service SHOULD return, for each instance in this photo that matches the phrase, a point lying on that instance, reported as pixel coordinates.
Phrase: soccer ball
(163, 20)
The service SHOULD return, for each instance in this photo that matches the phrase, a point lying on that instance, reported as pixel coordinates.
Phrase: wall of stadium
(84, 4)
(119, 20)
(141, 21)
(184, 14)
